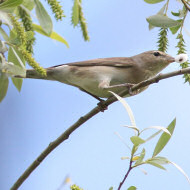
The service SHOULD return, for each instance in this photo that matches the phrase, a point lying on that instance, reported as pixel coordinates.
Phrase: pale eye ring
(156, 53)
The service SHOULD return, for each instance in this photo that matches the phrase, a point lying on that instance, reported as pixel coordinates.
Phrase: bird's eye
(156, 53)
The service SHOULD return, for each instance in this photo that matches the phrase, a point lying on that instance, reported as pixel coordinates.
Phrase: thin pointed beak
(171, 59)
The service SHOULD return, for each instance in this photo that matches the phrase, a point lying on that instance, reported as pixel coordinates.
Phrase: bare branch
(185, 4)
(64, 136)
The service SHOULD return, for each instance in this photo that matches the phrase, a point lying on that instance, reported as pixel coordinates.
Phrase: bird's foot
(129, 87)
(102, 105)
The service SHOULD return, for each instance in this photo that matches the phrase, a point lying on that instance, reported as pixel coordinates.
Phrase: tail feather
(31, 73)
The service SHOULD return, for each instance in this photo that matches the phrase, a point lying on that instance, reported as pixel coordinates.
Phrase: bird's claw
(129, 87)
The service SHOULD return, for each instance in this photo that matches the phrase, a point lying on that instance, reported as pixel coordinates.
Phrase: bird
(98, 76)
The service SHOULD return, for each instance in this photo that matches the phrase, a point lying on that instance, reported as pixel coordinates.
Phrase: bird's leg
(108, 87)
(101, 104)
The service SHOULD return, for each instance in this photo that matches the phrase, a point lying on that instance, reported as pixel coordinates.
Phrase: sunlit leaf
(135, 158)
(153, 1)
(3, 47)
(5, 18)
(141, 157)
(156, 165)
(157, 127)
(164, 138)
(29, 4)
(4, 83)
(154, 135)
(15, 57)
(10, 4)
(132, 188)
(127, 107)
(175, 29)
(159, 160)
(163, 21)
(132, 127)
(43, 18)
(161, 11)
(53, 35)
(4, 34)
(150, 27)
(175, 14)
(137, 140)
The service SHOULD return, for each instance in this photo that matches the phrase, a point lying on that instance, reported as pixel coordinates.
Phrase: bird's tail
(31, 73)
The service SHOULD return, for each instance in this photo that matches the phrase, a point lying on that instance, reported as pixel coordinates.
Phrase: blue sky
(37, 115)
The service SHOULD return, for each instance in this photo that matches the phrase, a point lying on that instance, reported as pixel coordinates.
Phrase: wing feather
(124, 62)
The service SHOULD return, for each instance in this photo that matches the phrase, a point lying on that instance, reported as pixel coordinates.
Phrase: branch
(185, 4)
(64, 136)
(126, 175)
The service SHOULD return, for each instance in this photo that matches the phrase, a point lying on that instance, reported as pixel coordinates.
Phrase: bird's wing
(124, 62)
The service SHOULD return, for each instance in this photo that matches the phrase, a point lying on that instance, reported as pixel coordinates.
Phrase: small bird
(96, 77)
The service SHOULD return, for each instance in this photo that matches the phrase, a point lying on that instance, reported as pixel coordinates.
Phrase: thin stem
(185, 4)
(126, 175)
(183, 21)
(166, 7)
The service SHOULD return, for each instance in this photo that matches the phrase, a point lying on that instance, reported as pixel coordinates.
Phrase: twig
(64, 136)
(126, 175)
(185, 4)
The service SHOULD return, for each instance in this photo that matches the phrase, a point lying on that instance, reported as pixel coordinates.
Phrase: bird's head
(153, 61)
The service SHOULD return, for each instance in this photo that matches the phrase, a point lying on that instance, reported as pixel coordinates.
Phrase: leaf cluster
(17, 36)
(138, 153)
(175, 26)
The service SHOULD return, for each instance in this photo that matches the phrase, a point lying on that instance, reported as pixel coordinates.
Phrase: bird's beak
(171, 59)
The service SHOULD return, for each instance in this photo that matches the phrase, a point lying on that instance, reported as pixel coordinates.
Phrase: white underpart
(181, 58)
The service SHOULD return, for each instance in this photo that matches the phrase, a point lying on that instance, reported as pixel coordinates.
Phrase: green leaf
(162, 21)
(53, 35)
(154, 135)
(111, 188)
(127, 107)
(161, 11)
(132, 188)
(136, 140)
(10, 4)
(155, 164)
(175, 14)
(175, 29)
(153, 1)
(4, 83)
(159, 160)
(132, 127)
(140, 160)
(150, 27)
(75, 13)
(3, 47)
(163, 140)
(4, 35)
(29, 4)
(15, 57)
(157, 127)
(134, 149)
(18, 83)
(43, 18)
(5, 18)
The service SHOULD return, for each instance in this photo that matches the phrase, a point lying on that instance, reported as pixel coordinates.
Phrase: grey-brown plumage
(98, 76)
